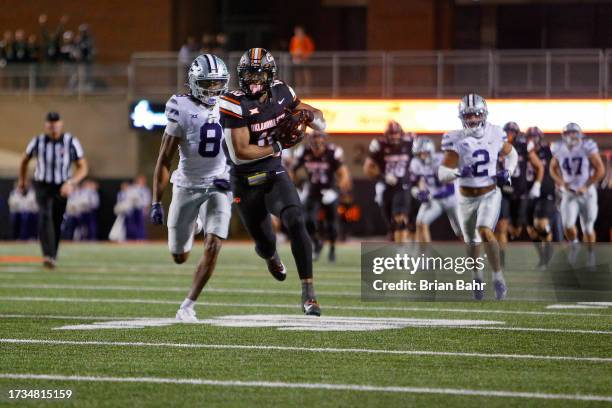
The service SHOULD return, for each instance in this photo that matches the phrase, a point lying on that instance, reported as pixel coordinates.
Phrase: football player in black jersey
(254, 118)
(523, 186)
(388, 162)
(542, 209)
(326, 171)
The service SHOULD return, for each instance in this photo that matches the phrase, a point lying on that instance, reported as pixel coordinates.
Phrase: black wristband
(277, 147)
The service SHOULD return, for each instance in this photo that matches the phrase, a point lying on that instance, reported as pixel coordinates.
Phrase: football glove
(157, 214)
(466, 171)
(423, 196)
(503, 178)
(290, 130)
(535, 190)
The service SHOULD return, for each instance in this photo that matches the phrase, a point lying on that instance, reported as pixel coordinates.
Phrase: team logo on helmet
(256, 71)
(473, 113)
(207, 78)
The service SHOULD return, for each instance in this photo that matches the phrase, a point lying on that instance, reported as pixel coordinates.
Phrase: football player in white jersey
(201, 189)
(576, 166)
(434, 196)
(471, 155)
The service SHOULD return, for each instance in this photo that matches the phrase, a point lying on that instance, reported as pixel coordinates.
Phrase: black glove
(290, 130)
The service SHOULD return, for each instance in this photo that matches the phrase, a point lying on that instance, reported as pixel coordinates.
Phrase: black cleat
(311, 308)
(276, 268)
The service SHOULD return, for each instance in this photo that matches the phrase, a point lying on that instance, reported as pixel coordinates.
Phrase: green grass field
(519, 353)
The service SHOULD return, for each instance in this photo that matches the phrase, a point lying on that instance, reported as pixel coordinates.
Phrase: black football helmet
(535, 135)
(394, 132)
(256, 71)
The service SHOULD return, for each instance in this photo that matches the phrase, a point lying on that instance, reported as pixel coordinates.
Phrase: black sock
(307, 291)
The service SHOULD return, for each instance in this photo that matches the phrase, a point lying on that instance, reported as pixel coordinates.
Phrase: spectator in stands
(51, 39)
(24, 212)
(85, 44)
(33, 48)
(122, 210)
(21, 54)
(208, 43)
(220, 48)
(6, 47)
(188, 50)
(301, 48)
(68, 51)
(89, 217)
(139, 197)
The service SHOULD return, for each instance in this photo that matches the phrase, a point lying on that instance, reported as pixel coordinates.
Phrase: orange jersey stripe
(227, 98)
(230, 113)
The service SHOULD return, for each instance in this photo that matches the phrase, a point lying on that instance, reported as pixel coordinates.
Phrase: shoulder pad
(590, 146)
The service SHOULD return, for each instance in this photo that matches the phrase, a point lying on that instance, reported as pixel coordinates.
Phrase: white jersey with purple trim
(429, 172)
(480, 153)
(574, 162)
(201, 159)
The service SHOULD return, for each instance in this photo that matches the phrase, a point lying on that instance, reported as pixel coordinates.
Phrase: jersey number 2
(484, 155)
(210, 140)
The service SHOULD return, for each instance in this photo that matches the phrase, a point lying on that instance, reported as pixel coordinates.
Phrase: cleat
(331, 257)
(311, 308)
(478, 293)
(500, 289)
(186, 315)
(276, 268)
(49, 262)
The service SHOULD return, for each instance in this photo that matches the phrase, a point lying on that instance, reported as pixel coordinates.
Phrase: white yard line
(307, 349)
(285, 306)
(168, 289)
(320, 386)
(525, 329)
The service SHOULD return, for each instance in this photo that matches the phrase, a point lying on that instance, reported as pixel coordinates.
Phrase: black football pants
(279, 197)
(51, 208)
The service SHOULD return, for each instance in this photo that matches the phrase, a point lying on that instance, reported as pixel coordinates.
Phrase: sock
(498, 276)
(187, 304)
(307, 291)
(478, 274)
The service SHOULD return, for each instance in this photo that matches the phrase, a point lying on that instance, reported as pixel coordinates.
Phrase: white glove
(414, 191)
(390, 179)
(535, 190)
(329, 196)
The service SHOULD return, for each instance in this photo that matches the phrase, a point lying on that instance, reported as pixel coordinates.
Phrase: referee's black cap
(52, 117)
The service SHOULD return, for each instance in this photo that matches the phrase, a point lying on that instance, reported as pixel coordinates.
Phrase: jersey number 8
(210, 140)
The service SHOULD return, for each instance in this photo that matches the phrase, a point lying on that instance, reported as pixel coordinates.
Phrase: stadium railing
(562, 73)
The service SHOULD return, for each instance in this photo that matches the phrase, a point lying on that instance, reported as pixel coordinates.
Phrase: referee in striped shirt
(55, 153)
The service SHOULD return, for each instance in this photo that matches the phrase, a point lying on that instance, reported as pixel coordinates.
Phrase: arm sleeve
(32, 147)
(173, 128)
(231, 112)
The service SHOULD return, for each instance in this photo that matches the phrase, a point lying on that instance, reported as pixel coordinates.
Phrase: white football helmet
(424, 145)
(473, 114)
(208, 78)
(572, 134)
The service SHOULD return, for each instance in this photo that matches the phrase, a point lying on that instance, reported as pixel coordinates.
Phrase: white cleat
(186, 315)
